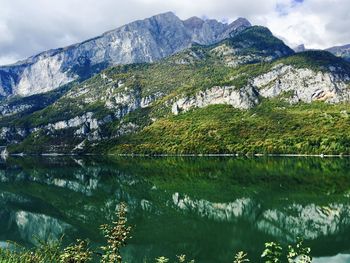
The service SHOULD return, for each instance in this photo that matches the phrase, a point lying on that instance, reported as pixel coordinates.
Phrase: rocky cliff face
(244, 98)
(303, 84)
(287, 81)
(140, 41)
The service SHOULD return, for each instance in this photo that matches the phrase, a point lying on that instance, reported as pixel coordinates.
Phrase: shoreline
(182, 155)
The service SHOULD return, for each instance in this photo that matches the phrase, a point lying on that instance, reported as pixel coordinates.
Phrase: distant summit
(341, 51)
(300, 48)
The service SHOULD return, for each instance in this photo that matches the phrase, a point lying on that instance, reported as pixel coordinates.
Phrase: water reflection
(204, 207)
(340, 258)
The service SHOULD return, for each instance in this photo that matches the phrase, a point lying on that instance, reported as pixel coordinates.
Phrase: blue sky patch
(283, 9)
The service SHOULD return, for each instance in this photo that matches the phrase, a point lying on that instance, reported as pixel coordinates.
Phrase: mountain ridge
(341, 51)
(144, 40)
(247, 93)
(148, 108)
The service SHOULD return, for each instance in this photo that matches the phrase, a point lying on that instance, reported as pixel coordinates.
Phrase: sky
(29, 27)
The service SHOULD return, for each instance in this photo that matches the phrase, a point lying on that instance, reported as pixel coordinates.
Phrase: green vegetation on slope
(35, 103)
(259, 40)
(187, 72)
(272, 127)
(316, 60)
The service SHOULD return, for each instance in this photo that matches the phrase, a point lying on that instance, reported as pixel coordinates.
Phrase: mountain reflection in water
(205, 207)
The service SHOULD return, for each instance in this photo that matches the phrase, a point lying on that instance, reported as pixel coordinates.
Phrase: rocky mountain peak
(146, 40)
(240, 22)
(193, 22)
(168, 17)
(168, 14)
(299, 48)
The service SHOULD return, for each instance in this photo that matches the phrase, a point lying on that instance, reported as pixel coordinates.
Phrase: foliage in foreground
(117, 235)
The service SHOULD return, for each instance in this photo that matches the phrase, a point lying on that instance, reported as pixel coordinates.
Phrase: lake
(205, 207)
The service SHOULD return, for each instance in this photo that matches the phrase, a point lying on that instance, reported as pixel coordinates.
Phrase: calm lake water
(204, 207)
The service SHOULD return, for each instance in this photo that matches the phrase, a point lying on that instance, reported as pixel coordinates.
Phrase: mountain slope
(140, 41)
(341, 51)
(248, 93)
(272, 127)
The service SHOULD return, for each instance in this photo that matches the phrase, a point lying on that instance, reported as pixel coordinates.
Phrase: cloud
(8, 59)
(316, 23)
(29, 27)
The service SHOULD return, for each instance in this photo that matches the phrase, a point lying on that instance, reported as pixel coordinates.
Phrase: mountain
(145, 40)
(248, 93)
(341, 51)
(204, 87)
(300, 48)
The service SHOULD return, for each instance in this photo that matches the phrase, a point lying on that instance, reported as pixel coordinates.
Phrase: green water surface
(205, 207)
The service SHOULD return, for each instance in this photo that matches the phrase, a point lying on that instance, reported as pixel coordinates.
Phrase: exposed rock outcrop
(86, 119)
(7, 110)
(294, 84)
(140, 41)
(244, 98)
(303, 84)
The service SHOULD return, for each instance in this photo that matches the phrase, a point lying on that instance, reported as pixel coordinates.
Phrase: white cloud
(6, 34)
(29, 27)
(8, 59)
(316, 23)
